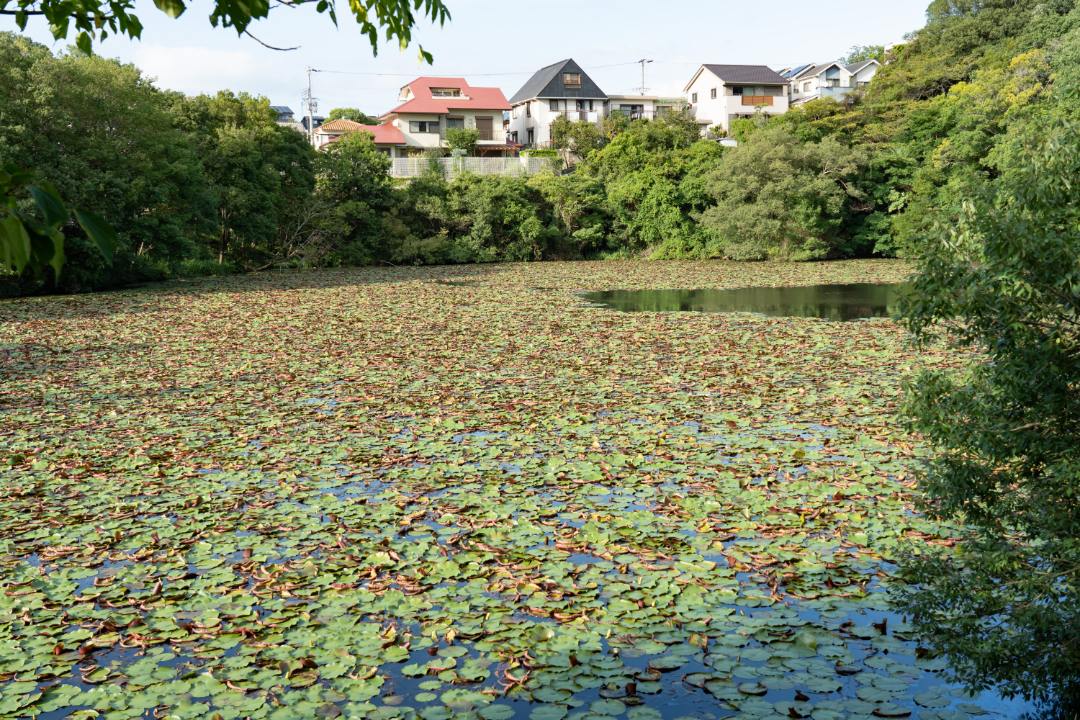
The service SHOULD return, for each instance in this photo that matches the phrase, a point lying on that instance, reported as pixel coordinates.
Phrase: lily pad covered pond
(853, 301)
(364, 493)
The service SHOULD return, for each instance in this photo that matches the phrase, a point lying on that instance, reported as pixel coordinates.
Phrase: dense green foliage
(29, 242)
(212, 185)
(351, 114)
(1007, 609)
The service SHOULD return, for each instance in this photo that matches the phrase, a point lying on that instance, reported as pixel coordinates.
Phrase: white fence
(451, 166)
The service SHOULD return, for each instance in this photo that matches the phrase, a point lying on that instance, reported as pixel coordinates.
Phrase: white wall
(543, 115)
(434, 139)
(865, 74)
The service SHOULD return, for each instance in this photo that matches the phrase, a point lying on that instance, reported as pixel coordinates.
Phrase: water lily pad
(548, 712)
(666, 663)
(497, 712)
(607, 707)
(932, 700)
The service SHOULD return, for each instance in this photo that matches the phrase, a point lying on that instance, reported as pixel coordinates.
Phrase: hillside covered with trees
(211, 184)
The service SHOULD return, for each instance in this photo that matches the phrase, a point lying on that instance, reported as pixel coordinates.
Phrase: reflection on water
(831, 302)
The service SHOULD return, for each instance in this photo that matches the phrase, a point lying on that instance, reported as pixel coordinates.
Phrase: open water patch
(838, 303)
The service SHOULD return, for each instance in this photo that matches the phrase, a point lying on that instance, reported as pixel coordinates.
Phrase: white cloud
(194, 70)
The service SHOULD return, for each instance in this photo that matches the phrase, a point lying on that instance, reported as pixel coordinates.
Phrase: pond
(369, 494)
(854, 301)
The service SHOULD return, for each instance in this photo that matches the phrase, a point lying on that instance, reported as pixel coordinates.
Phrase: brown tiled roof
(339, 125)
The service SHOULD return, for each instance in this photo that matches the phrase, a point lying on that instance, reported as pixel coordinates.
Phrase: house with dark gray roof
(719, 94)
(559, 89)
(828, 80)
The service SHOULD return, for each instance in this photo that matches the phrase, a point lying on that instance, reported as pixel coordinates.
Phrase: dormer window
(571, 79)
(445, 92)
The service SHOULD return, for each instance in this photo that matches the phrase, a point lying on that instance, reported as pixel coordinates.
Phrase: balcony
(644, 114)
(754, 100)
(495, 135)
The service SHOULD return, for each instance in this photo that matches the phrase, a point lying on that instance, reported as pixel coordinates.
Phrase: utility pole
(312, 106)
(643, 62)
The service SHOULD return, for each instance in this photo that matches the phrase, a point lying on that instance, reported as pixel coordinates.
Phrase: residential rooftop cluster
(715, 96)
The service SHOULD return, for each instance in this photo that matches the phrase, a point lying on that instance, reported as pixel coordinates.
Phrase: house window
(423, 126)
(806, 87)
(445, 92)
(737, 90)
(832, 83)
(528, 109)
(455, 123)
(513, 136)
(590, 106)
(554, 106)
(529, 135)
(571, 79)
(693, 98)
(712, 94)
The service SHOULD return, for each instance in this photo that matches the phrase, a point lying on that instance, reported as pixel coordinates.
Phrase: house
(387, 137)
(637, 107)
(721, 93)
(828, 80)
(861, 73)
(430, 106)
(317, 120)
(284, 114)
(559, 89)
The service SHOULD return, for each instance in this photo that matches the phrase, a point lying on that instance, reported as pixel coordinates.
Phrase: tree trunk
(224, 239)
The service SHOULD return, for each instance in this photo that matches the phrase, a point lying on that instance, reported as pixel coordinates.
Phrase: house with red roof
(430, 106)
(387, 137)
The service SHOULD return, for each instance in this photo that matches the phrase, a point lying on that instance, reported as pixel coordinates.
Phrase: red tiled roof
(479, 98)
(385, 134)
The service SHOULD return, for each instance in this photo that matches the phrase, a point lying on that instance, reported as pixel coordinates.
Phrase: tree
(1002, 279)
(96, 19)
(579, 138)
(778, 198)
(258, 171)
(859, 53)
(22, 242)
(351, 114)
(103, 136)
(460, 138)
(353, 177)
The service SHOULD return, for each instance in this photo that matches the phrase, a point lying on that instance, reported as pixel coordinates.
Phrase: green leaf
(100, 233)
(172, 8)
(49, 204)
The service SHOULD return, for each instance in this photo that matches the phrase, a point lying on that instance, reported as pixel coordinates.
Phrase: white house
(431, 106)
(637, 107)
(721, 93)
(559, 89)
(862, 73)
(828, 80)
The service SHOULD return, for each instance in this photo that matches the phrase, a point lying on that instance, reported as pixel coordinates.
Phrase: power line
(526, 72)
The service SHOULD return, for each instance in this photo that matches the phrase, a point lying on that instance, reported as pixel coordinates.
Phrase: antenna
(311, 104)
(643, 89)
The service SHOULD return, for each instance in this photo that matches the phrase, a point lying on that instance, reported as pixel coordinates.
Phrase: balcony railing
(494, 135)
(757, 100)
(452, 167)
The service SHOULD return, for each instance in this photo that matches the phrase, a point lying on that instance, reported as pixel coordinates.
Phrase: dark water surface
(855, 301)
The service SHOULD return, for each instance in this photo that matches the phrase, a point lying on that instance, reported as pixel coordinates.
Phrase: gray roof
(547, 83)
(859, 66)
(751, 74)
(815, 70)
(795, 71)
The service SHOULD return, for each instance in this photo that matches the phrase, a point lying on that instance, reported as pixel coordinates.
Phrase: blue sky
(499, 44)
